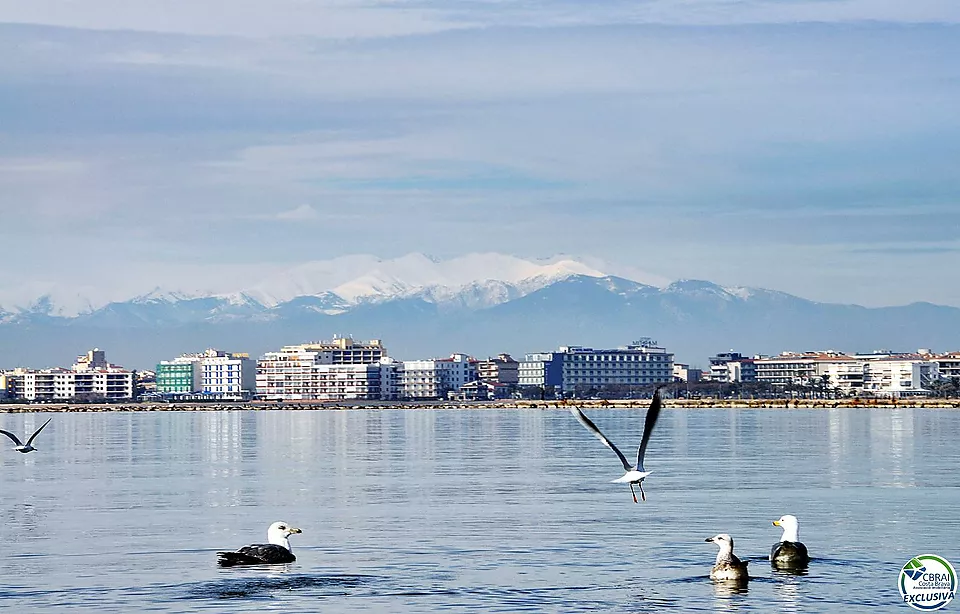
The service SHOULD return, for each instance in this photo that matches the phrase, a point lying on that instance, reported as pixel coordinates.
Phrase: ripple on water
(268, 587)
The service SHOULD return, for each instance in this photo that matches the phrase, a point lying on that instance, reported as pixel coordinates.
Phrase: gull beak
(708, 540)
(294, 530)
(776, 523)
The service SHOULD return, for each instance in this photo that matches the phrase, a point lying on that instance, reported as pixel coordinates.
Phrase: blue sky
(805, 146)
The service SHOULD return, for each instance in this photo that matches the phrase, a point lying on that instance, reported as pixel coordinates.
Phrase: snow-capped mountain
(365, 279)
(476, 280)
(482, 304)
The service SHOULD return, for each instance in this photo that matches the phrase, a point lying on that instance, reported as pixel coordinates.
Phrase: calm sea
(471, 510)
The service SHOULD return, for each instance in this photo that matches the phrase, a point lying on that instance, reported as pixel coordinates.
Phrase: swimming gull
(25, 447)
(276, 551)
(728, 566)
(635, 474)
(789, 552)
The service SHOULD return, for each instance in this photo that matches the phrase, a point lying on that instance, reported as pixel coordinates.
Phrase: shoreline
(16, 408)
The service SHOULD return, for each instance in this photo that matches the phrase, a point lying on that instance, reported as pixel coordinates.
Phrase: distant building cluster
(343, 369)
(883, 373)
(90, 378)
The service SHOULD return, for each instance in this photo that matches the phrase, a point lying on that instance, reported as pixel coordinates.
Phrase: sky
(807, 146)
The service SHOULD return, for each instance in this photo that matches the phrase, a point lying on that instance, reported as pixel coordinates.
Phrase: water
(461, 510)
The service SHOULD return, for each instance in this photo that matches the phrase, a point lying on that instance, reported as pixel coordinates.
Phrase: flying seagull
(789, 552)
(25, 447)
(634, 473)
(276, 551)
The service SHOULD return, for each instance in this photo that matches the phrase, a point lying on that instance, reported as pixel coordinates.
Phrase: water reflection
(788, 592)
(729, 595)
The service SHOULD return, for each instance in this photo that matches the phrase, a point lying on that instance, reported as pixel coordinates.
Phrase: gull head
(790, 526)
(724, 541)
(279, 532)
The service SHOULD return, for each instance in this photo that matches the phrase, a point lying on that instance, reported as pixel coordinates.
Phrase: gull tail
(229, 559)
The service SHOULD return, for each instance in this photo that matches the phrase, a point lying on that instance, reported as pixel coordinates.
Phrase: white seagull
(278, 549)
(25, 447)
(727, 566)
(789, 552)
(635, 474)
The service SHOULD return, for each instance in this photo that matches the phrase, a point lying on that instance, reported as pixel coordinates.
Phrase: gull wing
(596, 432)
(12, 436)
(256, 554)
(37, 432)
(651, 421)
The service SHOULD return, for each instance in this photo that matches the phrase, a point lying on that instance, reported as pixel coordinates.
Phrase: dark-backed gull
(25, 447)
(728, 566)
(276, 551)
(789, 553)
(635, 474)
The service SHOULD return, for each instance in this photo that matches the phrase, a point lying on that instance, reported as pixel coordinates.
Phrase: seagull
(25, 447)
(634, 473)
(277, 551)
(789, 552)
(728, 566)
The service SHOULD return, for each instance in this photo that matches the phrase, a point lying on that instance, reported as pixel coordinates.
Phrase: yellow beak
(776, 523)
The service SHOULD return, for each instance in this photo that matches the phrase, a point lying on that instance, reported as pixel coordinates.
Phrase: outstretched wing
(651, 421)
(593, 429)
(11, 436)
(37, 432)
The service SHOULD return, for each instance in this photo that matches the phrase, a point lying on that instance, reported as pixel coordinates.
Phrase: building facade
(543, 370)
(436, 378)
(91, 378)
(579, 370)
(336, 370)
(212, 374)
(500, 370)
(732, 367)
(881, 374)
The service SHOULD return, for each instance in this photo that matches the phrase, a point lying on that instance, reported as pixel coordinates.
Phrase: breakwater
(706, 403)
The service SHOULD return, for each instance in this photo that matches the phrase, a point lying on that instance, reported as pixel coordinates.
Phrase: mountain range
(481, 304)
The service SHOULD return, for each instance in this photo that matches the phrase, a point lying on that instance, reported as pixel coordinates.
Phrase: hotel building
(576, 369)
(337, 370)
(91, 378)
(213, 374)
(437, 377)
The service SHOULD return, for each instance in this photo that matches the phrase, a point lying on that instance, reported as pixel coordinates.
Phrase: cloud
(599, 136)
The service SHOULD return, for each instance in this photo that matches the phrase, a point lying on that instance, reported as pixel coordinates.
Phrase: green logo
(927, 582)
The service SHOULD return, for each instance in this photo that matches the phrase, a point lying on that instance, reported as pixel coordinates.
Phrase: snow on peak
(364, 278)
(477, 278)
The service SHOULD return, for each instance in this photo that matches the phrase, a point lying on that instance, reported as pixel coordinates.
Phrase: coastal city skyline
(344, 369)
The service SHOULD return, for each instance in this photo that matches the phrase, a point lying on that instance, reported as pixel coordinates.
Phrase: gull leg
(634, 493)
(642, 494)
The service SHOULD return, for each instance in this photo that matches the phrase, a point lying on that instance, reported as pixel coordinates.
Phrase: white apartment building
(341, 369)
(212, 373)
(339, 351)
(435, 378)
(948, 364)
(336, 383)
(794, 368)
(90, 378)
(880, 374)
(892, 377)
